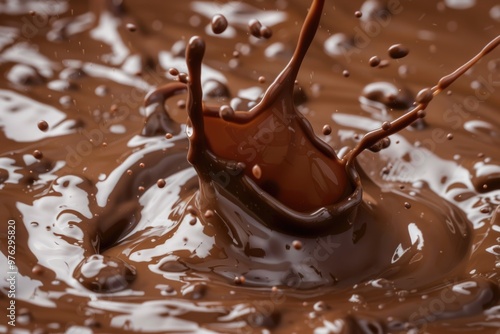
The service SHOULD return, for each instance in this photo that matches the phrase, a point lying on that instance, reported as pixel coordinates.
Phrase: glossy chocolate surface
(240, 181)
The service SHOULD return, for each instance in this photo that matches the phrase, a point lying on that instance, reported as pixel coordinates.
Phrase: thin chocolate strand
(372, 137)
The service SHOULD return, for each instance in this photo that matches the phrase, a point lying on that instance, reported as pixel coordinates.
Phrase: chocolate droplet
(239, 280)
(254, 27)
(226, 112)
(173, 71)
(257, 172)
(183, 77)
(397, 51)
(327, 129)
(421, 113)
(424, 96)
(266, 32)
(219, 24)
(43, 125)
(37, 269)
(374, 61)
(37, 154)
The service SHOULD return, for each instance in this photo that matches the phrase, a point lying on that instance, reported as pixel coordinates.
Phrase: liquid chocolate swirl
(243, 219)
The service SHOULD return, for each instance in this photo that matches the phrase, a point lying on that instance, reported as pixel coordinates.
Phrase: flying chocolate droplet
(219, 24)
(397, 51)
(43, 125)
(254, 27)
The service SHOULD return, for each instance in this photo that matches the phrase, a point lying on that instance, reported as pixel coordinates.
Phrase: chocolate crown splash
(323, 186)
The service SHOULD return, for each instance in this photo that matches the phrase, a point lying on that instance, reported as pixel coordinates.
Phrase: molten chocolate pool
(249, 167)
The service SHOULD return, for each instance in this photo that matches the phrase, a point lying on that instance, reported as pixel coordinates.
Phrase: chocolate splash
(115, 233)
(323, 192)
